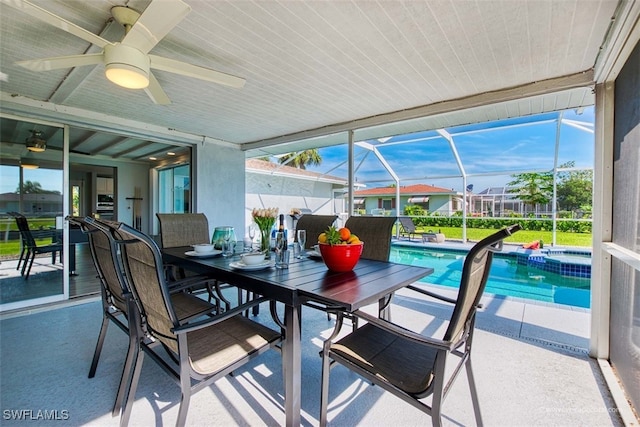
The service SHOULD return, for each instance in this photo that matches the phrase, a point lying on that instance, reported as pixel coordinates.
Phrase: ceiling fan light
(35, 142)
(126, 66)
(127, 76)
(28, 162)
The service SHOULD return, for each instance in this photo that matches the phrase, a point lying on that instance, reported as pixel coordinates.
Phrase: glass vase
(265, 242)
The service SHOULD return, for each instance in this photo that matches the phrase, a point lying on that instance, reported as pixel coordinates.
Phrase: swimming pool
(507, 277)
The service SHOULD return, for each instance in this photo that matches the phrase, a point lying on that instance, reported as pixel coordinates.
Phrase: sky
(504, 147)
(425, 158)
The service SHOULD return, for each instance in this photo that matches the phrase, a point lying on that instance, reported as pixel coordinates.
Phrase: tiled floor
(530, 362)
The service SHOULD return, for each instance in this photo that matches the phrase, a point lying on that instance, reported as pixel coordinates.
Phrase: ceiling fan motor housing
(126, 66)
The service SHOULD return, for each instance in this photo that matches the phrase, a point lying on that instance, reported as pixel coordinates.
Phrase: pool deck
(530, 362)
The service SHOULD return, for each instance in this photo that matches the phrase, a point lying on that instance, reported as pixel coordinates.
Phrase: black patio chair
(117, 303)
(188, 229)
(408, 364)
(31, 248)
(202, 350)
(314, 225)
(375, 232)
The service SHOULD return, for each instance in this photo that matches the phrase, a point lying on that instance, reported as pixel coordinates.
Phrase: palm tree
(301, 159)
(31, 187)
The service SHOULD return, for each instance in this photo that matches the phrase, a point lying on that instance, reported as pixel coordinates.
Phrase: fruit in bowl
(340, 249)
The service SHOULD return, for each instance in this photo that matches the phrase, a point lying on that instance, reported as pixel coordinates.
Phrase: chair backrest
(475, 273)
(105, 259)
(407, 224)
(23, 226)
(314, 224)
(183, 229)
(142, 262)
(375, 232)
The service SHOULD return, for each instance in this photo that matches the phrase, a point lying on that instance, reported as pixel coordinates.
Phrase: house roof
(405, 190)
(270, 168)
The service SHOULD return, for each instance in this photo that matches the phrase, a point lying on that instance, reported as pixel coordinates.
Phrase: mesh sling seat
(188, 229)
(410, 365)
(201, 350)
(31, 248)
(117, 305)
(375, 232)
(314, 225)
(408, 228)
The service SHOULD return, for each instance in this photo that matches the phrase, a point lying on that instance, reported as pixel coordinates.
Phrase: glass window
(174, 189)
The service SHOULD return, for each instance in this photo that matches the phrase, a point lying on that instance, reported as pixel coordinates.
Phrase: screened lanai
(478, 161)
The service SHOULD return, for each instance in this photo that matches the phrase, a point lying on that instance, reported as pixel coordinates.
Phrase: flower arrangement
(265, 218)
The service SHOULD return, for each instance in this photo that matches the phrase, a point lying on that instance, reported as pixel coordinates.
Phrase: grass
(522, 236)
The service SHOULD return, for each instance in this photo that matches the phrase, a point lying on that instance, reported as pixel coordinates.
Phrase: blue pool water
(507, 277)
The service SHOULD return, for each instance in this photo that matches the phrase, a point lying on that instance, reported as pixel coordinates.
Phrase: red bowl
(341, 257)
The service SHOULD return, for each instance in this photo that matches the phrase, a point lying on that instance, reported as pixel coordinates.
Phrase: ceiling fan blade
(155, 92)
(56, 21)
(71, 61)
(155, 22)
(202, 73)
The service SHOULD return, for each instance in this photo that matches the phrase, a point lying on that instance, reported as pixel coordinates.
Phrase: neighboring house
(498, 201)
(382, 200)
(271, 184)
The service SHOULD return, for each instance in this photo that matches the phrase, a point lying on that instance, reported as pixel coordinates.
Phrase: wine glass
(227, 250)
(252, 234)
(302, 239)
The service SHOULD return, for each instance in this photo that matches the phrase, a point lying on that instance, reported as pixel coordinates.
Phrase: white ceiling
(320, 67)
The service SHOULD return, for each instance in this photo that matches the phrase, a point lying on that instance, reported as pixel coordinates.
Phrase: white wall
(285, 193)
(219, 176)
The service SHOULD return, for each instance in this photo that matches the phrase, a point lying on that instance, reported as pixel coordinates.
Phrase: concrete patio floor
(530, 363)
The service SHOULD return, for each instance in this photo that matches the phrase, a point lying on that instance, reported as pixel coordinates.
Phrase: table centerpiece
(265, 219)
(340, 249)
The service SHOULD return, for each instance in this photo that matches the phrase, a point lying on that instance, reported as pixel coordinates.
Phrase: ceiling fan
(128, 62)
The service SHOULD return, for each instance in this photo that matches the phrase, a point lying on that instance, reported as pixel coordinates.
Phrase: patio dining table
(306, 281)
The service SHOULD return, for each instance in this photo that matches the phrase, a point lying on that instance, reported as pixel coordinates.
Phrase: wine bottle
(282, 230)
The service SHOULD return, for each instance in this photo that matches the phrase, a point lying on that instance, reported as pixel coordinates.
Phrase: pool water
(506, 277)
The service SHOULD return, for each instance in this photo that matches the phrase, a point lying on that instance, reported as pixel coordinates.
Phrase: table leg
(292, 366)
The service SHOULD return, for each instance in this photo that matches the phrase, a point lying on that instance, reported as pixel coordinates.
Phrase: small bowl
(253, 258)
(203, 248)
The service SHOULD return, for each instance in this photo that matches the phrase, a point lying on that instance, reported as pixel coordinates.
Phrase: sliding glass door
(32, 200)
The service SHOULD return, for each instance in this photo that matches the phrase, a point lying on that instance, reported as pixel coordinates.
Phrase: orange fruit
(322, 238)
(345, 233)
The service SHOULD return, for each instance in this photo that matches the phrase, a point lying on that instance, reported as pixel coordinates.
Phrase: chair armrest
(436, 296)
(431, 294)
(239, 310)
(406, 333)
(186, 283)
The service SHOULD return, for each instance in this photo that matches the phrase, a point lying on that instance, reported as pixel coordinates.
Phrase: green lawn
(522, 236)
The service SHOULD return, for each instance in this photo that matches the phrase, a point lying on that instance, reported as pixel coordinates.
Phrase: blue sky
(502, 147)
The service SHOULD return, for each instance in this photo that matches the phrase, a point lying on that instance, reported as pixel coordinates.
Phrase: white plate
(203, 254)
(242, 266)
(313, 254)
